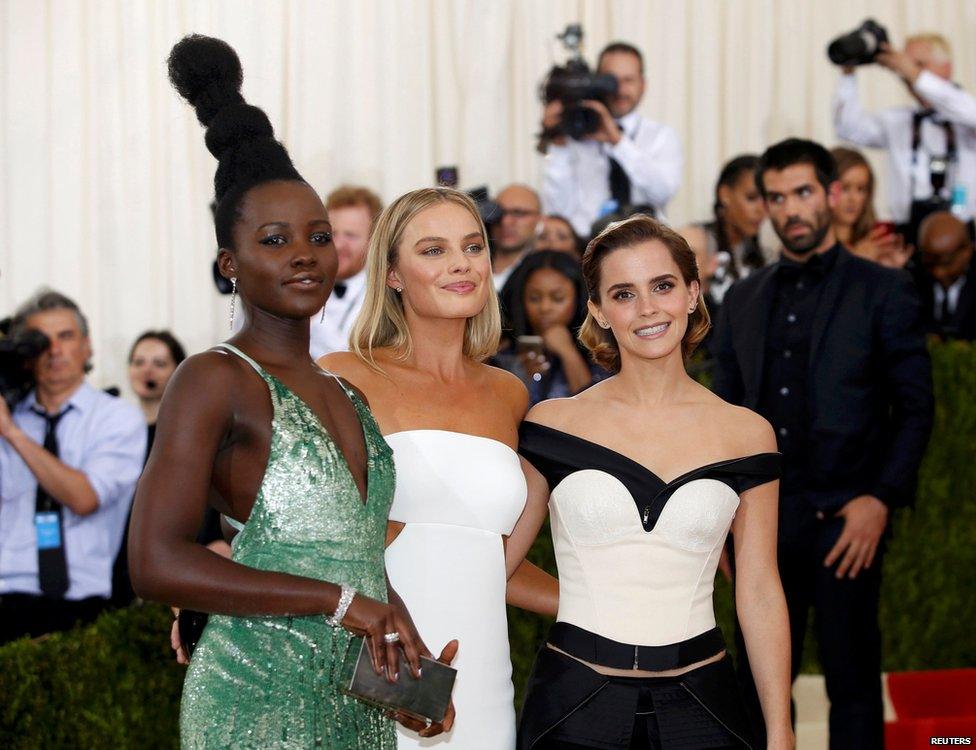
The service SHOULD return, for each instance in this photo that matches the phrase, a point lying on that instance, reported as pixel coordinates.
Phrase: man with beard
(830, 349)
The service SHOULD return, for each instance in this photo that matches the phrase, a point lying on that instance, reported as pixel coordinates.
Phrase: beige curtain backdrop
(106, 181)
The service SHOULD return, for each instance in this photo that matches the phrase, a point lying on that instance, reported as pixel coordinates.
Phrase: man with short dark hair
(630, 160)
(948, 283)
(829, 348)
(70, 456)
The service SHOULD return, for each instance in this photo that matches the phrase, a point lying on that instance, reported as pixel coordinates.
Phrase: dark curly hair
(207, 73)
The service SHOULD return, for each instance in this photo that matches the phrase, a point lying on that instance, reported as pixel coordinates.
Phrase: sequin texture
(273, 682)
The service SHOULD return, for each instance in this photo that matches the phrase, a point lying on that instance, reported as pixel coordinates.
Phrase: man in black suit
(830, 349)
(948, 286)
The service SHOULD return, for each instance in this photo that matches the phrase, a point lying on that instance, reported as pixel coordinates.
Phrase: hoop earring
(233, 300)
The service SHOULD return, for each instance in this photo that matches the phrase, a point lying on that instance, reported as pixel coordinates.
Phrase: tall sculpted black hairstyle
(207, 73)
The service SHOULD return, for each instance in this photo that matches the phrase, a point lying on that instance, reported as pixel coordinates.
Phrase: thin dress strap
(234, 350)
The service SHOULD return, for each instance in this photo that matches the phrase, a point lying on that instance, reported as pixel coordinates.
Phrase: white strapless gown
(458, 495)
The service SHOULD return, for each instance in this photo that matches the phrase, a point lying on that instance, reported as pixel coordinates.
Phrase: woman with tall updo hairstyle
(648, 471)
(460, 524)
(287, 452)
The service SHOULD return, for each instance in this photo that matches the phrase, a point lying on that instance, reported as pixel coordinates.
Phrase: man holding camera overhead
(932, 145)
(629, 159)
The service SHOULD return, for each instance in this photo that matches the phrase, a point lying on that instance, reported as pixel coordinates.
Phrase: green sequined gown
(271, 682)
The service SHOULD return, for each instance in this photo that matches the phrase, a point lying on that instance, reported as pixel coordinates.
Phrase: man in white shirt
(70, 456)
(937, 133)
(629, 159)
(511, 236)
(352, 210)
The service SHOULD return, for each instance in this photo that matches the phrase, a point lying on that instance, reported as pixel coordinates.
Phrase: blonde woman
(459, 525)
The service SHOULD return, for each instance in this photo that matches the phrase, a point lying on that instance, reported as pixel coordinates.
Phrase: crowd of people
(469, 379)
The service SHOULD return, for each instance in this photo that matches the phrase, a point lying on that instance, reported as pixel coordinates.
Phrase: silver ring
(393, 637)
(427, 722)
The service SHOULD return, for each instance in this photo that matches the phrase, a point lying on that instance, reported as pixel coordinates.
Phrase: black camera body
(18, 353)
(572, 84)
(859, 47)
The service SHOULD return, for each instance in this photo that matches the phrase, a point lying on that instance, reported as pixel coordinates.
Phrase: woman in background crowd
(556, 233)
(545, 303)
(855, 223)
(154, 357)
(727, 247)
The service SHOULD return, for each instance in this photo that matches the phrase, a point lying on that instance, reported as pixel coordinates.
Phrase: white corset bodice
(637, 556)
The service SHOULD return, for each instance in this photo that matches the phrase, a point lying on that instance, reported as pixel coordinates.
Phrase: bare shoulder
(343, 364)
(747, 431)
(509, 388)
(555, 412)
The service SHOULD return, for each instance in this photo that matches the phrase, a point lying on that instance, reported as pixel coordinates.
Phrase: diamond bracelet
(345, 599)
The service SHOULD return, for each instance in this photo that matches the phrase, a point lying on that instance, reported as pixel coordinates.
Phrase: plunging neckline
(634, 464)
(363, 495)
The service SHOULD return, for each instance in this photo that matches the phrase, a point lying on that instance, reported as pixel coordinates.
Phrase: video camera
(859, 47)
(572, 84)
(17, 355)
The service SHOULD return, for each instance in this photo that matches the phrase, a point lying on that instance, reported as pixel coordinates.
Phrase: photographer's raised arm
(69, 486)
(946, 98)
(851, 122)
(205, 433)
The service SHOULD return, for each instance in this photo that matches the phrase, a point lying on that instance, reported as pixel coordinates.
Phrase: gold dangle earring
(233, 299)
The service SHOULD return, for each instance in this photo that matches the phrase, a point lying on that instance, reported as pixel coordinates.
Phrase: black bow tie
(339, 289)
(792, 270)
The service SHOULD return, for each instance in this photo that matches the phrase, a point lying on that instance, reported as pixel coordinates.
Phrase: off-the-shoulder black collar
(557, 454)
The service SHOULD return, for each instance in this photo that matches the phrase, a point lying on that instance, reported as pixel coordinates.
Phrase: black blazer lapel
(752, 327)
(967, 299)
(827, 305)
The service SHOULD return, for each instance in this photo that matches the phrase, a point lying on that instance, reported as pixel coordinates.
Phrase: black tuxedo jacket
(963, 323)
(870, 379)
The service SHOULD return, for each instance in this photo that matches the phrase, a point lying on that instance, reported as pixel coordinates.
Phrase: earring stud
(398, 289)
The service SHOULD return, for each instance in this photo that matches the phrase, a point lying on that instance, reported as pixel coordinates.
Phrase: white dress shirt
(939, 295)
(102, 436)
(331, 333)
(576, 176)
(891, 129)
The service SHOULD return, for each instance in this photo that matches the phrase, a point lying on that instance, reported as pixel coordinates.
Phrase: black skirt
(569, 705)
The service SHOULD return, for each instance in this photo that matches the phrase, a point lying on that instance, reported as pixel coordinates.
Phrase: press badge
(48, 530)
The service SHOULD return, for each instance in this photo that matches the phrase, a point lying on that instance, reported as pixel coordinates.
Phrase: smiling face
(150, 368)
(442, 264)
(283, 256)
(799, 208)
(645, 300)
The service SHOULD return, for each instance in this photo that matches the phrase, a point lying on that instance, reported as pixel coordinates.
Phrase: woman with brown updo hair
(647, 472)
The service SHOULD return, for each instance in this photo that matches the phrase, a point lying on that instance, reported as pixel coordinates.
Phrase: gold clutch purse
(424, 698)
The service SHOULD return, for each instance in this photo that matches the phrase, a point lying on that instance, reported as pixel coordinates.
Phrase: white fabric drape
(106, 182)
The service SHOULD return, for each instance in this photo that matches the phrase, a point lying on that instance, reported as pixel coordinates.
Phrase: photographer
(629, 159)
(931, 146)
(70, 456)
